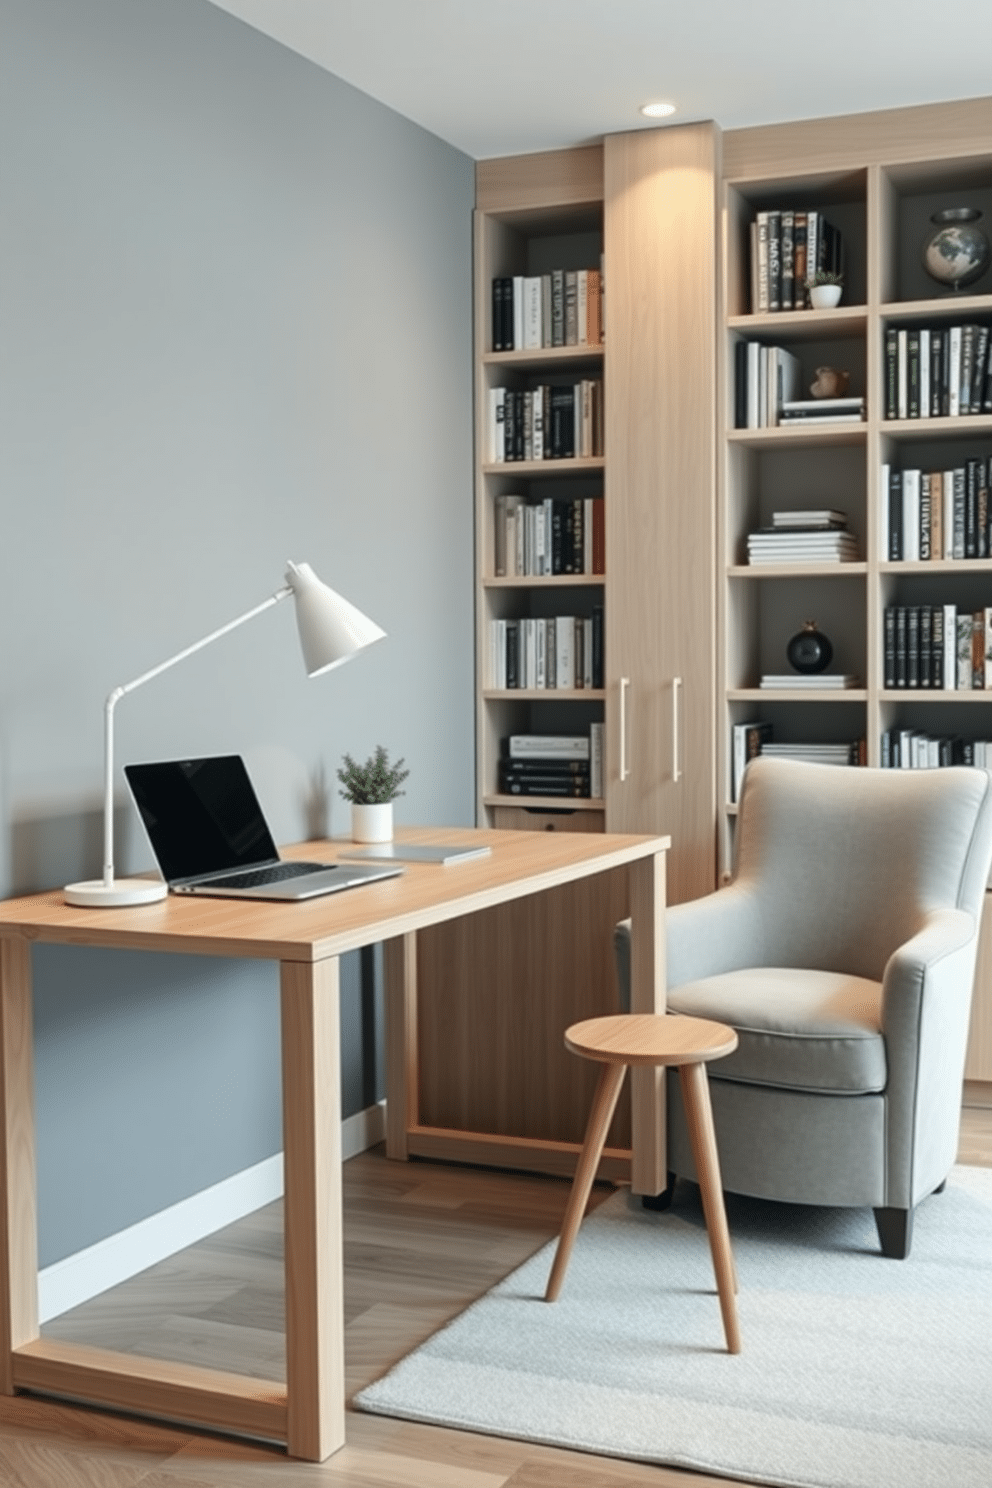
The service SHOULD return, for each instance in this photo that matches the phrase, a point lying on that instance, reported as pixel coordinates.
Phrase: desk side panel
(496, 991)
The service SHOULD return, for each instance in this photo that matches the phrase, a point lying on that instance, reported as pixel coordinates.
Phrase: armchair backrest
(844, 865)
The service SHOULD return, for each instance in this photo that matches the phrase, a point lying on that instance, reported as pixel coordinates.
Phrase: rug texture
(856, 1371)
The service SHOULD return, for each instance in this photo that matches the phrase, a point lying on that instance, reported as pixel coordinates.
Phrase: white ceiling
(503, 77)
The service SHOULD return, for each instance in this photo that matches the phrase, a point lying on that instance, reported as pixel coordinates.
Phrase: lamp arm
(114, 698)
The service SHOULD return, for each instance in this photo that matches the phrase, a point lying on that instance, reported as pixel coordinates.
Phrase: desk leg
(649, 1174)
(18, 1182)
(311, 1101)
(402, 1058)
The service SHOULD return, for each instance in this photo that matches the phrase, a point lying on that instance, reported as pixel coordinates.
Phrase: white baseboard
(79, 1277)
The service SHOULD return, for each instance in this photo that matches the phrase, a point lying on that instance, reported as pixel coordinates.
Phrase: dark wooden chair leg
(659, 1202)
(895, 1232)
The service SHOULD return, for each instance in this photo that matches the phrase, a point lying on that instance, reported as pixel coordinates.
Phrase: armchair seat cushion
(815, 1031)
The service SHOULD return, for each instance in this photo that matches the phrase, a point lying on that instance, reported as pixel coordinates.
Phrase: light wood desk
(307, 1413)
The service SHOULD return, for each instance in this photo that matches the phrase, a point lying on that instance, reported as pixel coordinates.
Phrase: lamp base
(122, 893)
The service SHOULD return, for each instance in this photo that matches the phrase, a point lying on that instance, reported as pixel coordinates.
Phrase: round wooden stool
(651, 1038)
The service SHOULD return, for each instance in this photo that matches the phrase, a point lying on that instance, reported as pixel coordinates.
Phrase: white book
(596, 761)
(545, 309)
(587, 519)
(537, 420)
(521, 536)
(753, 384)
(924, 374)
(532, 312)
(582, 307)
(518, 312)
(497, 412)
(950, 668)
(551, 651)
(529, 649)
(761, 223)
(954, 371)
(541, 539)
(497, 653)
(902, 383)
(788, 373)
(541, 670)
(548, 746)
(564, 653)
(883, 515)
(911, 516)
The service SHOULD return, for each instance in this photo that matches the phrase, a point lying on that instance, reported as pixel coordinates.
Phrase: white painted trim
(79, 1277)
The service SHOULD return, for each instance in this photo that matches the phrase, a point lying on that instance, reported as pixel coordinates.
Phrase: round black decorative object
(809, 651)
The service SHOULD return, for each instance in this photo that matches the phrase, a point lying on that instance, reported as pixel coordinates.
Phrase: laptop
(209, 836)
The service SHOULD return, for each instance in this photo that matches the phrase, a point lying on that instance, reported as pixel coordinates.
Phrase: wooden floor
(421, 1241)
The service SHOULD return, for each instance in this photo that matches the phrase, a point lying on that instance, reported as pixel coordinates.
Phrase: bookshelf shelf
(759, 571)
(546, 581)
(807, 437)
(543, 695)
(580, 465)
(548, 803)
(803, 695)
(802, 325)
(546, 356)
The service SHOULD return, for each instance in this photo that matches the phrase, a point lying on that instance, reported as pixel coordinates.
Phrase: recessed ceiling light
(657, 110)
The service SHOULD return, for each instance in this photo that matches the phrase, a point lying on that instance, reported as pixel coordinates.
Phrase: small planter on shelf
(372, 788)
(825, 289)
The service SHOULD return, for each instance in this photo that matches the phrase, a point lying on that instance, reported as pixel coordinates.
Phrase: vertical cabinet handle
(624, 771)
(676, 761)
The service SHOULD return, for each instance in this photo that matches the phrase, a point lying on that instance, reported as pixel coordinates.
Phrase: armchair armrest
(926, 1002)
(720, 932)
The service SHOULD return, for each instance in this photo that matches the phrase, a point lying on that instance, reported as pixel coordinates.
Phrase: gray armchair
(843, 953)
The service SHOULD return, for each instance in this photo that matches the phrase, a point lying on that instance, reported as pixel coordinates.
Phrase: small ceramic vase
(830, 383)
(372, 823)
(825, 296)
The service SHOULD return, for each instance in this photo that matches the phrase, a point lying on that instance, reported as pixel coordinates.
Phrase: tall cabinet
(644, 205)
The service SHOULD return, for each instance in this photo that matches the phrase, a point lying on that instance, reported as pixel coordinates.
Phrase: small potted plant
(825, 288)
(372, 788)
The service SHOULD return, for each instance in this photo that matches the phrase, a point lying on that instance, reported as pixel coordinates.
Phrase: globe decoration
(809, 651)
(958, 252)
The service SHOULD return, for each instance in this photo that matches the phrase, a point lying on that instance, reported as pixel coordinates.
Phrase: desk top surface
(311, 930)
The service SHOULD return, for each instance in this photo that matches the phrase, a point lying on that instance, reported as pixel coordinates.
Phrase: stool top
(650, 1038)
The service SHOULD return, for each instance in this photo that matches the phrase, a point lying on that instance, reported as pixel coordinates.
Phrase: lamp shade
(331, 629)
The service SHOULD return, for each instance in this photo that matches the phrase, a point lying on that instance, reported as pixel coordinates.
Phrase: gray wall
(235, 328)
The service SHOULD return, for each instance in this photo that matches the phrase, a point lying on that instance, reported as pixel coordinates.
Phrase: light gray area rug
(856, 1371)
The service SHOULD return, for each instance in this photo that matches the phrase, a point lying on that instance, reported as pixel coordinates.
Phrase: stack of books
(569, 765)
(562, 308)
(787, 246)
(928, 515)
(807, 411)
(803, 537)
(910, 749)
(807, 682)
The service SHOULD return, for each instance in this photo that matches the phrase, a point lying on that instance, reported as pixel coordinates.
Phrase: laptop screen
(202, 816)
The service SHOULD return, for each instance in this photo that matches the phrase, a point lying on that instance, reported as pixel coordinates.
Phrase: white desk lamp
(331, 632)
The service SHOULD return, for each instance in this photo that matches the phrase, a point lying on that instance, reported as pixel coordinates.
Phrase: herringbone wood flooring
(422, 1240)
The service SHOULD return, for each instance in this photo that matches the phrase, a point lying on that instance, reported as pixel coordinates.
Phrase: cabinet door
(660, 378)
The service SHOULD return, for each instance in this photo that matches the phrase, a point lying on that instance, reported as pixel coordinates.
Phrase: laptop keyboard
(276, 873)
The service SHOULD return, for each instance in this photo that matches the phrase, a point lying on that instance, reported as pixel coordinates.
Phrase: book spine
(596, 776)
(949, 679)
(787, 251)
(889, 648)
(938, 342)
(762, 224)
(954, 372)
(558, 307)
(799, 237)
(774, 261)
(532, 312)
(571, 307)
(913, 374)
(891, 373)
(895, 516)
(582, 308)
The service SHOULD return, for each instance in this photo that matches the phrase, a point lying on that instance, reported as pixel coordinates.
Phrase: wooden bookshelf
(878, 177)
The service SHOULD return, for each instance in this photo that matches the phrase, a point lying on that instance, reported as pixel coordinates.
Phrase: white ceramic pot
(372, 823)
(825, 296)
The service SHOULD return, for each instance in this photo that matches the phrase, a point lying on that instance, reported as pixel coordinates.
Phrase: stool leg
(607, 1091)
(699, 1115)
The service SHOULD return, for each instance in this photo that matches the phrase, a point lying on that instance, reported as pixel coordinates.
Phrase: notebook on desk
(209, 835)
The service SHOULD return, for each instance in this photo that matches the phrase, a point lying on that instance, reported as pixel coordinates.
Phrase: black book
(978, 369)
(913, 646)
(937, 641)
(984, 510)
(967, 367)
(542, 765)
(987, 394)
(774, 260)
(512, 653)
(578, 537)
(895, 515)
(787, 250)
(885, 752)
(598, 669)
(926, 645)
(740, 385)
(913, 373)
(901, 646)
(498, 315)
(559, 515)
(562, 423)
(510, 410)
(938, 376)
(889, 647)
(549, 785)
(891, 373)
(971, 509)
